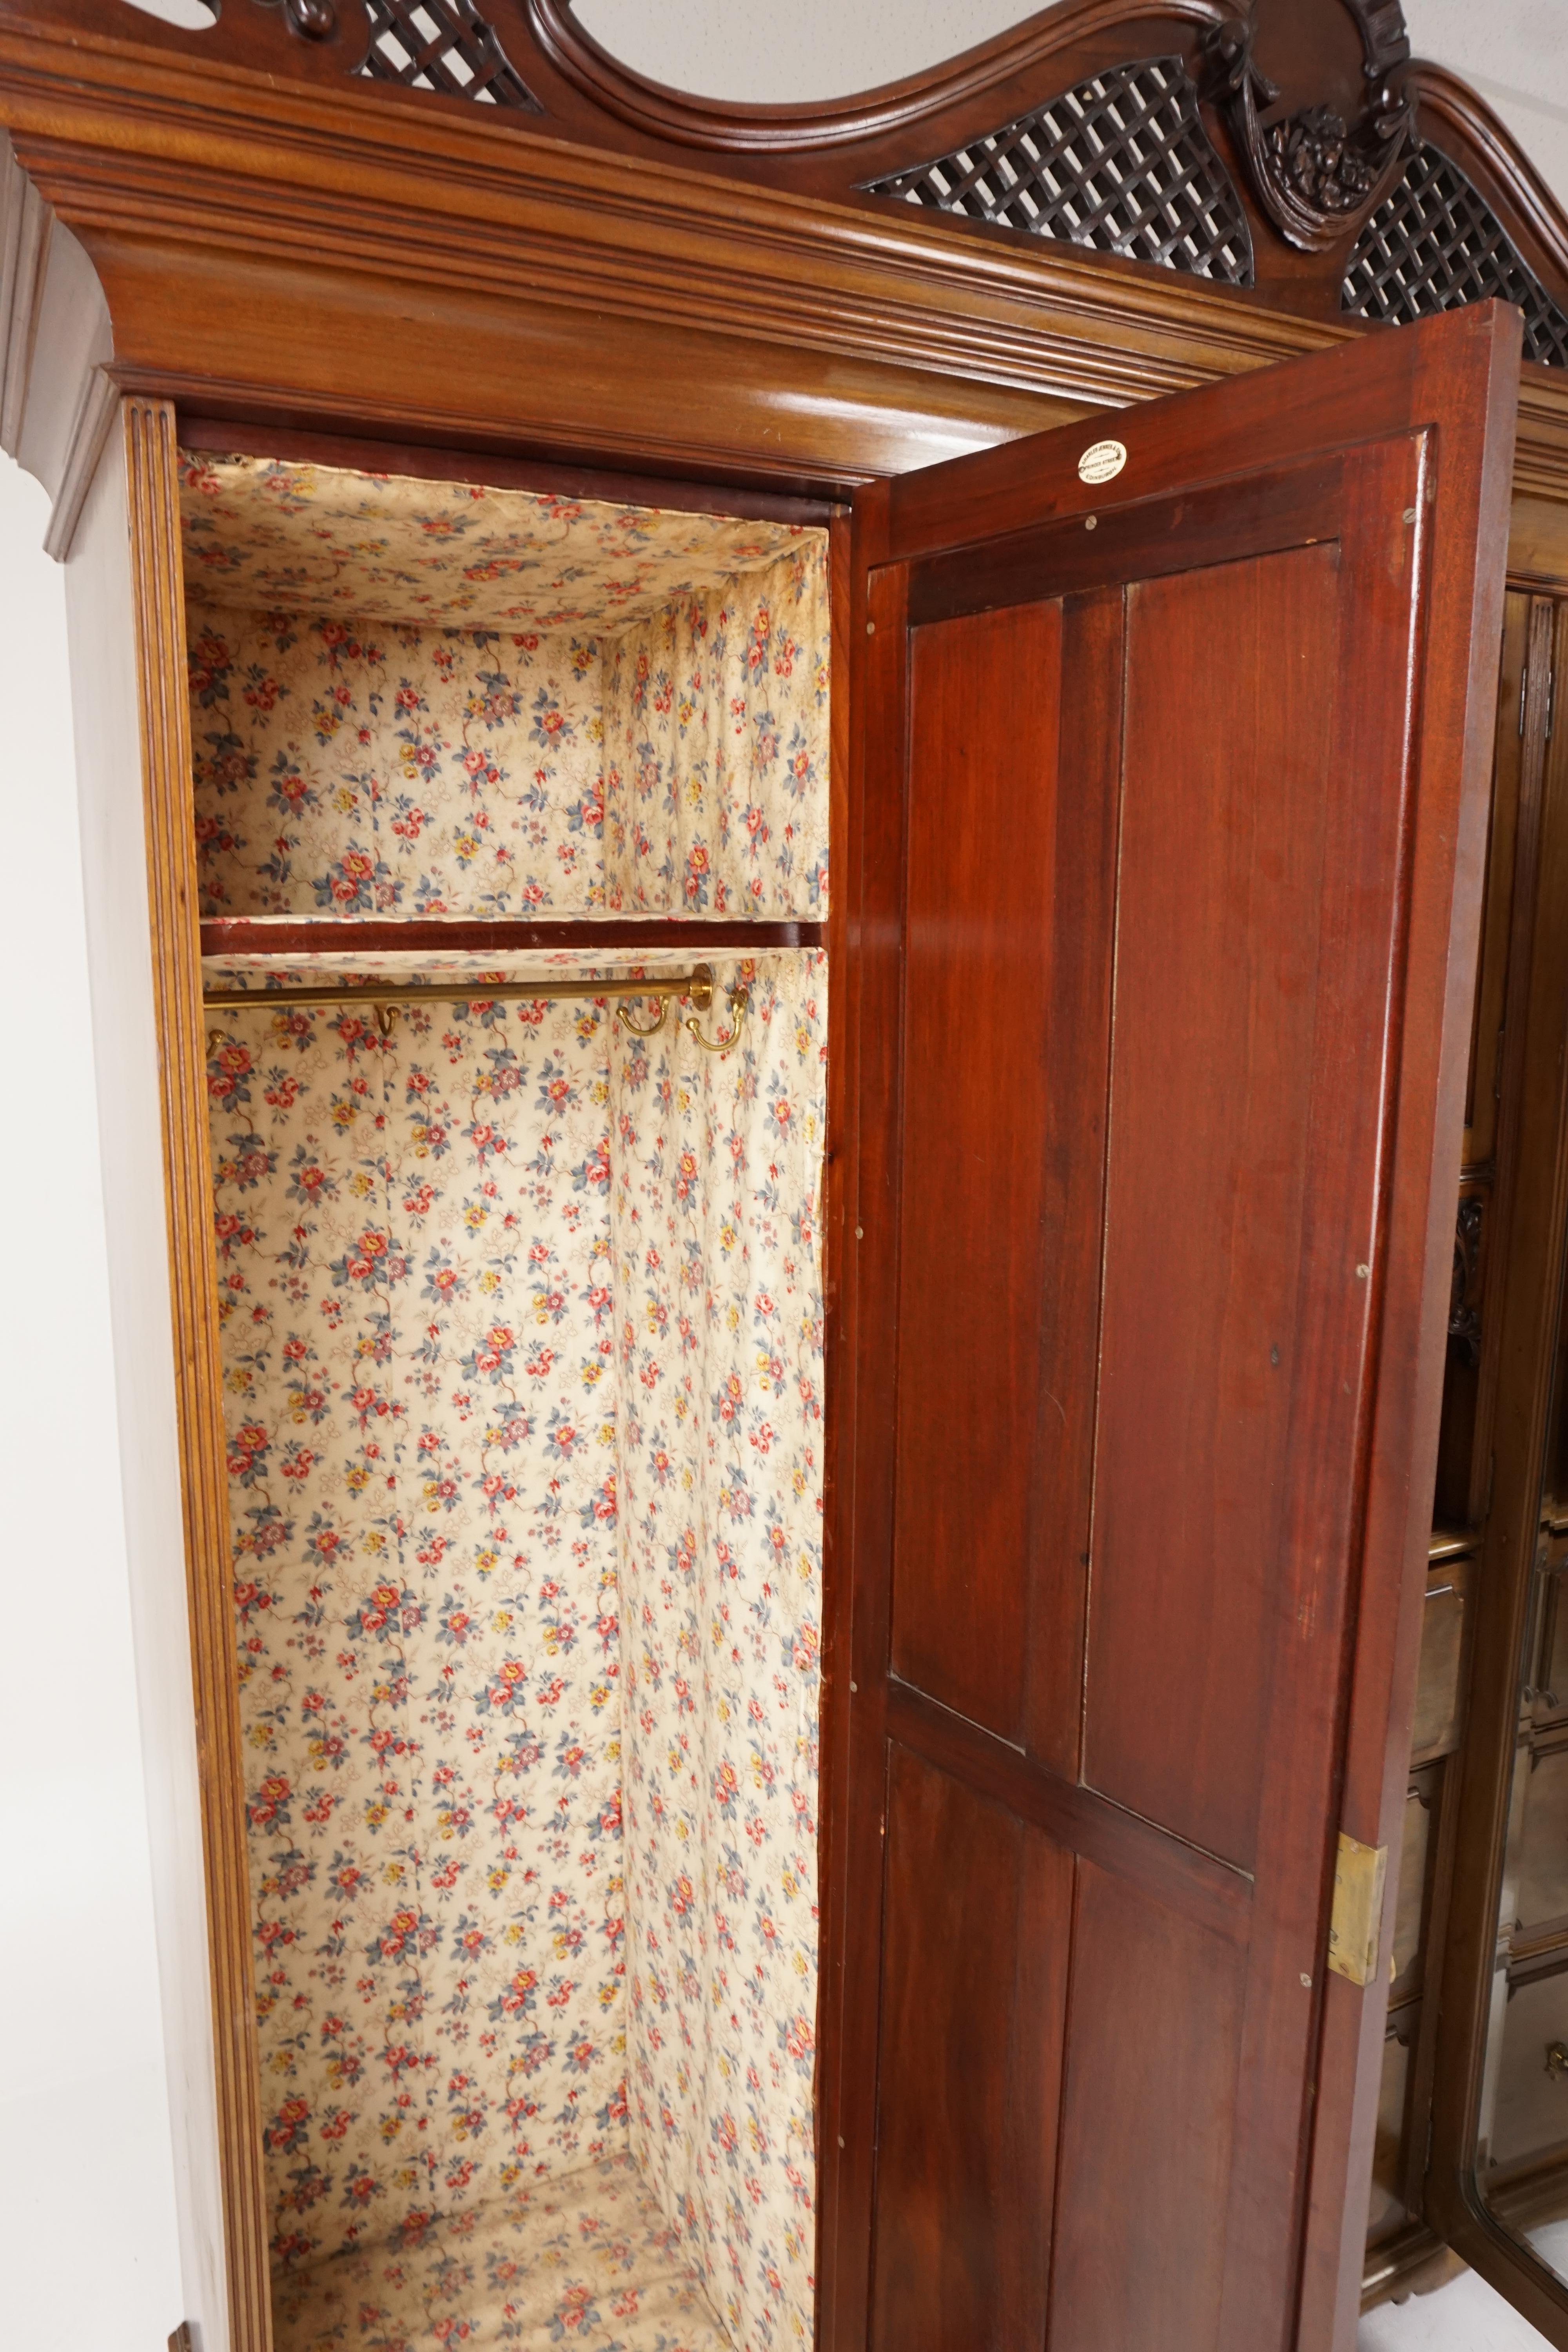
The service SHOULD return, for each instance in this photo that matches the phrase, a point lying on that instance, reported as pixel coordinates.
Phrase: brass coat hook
(740, 996)
(698, 990)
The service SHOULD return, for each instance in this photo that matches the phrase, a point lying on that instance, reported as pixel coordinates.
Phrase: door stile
(839, 1212)
(1453, 697)
(1366, 850)
(152, 483)
(868, 888)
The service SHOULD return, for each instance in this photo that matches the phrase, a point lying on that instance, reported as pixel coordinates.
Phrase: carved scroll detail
(313, 20)
(1316, 178)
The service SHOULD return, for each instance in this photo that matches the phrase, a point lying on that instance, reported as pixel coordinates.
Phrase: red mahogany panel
(983, 723)
(978, 1907)
(1229, 769)
(1146, 2127)
(1288, 733)
(1006, 999)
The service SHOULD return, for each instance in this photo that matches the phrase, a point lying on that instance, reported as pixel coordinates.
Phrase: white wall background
(88, 2255)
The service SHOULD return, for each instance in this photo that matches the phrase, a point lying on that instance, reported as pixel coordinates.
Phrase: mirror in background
(1521, 2155)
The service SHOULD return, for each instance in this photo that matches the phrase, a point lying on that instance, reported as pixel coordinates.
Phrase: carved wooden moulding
(1317, 178)
(1293, 150)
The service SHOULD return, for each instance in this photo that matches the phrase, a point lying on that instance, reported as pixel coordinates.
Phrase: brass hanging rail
(386, 1000)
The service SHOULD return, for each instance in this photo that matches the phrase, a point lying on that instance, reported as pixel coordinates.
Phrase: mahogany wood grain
(1523, 735)
(1483, 1085)
(1310, 50)
(1357, 1371)
(1223, 954)
(1145, 539)
(1147, 2125)
(839, 1254)
(1456, 668)
(1525, 1307)
(1271, 417)
(265, 237)
(1214, 1893)
(260, 242)
(978, 1907)
(1077, 1012)
(1296, 876)
(980, 904)
(1008, 1002)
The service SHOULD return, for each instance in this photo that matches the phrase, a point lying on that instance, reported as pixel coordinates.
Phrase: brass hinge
(1356, 1922)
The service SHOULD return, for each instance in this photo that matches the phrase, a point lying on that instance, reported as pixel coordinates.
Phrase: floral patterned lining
(263, 534)
(414, 1273)
(585, 2259)
(523, 1351)
(717, 1168)
(481, 1280)
(658, 752)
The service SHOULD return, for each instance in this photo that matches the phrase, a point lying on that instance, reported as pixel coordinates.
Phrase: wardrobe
(790, 1026)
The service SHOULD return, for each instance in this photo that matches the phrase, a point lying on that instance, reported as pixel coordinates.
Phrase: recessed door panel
(1147, 2121)
(979, 1907)
(1222, 936)
(1006, 1007)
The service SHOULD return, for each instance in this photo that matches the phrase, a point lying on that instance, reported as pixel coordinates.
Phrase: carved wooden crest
(1317, 178)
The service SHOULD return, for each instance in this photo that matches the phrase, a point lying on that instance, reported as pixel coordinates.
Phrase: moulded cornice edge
(214, 160)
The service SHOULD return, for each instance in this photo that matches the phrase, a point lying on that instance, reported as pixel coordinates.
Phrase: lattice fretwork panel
(443, 45)
(1435, 243)
(1121, 163)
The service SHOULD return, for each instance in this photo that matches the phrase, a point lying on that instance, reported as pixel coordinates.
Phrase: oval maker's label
(1101, 461)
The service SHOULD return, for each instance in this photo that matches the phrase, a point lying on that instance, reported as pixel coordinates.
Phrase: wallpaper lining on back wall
(495, 1447)
(414, 1262)
(717, 1170)
(665, 753)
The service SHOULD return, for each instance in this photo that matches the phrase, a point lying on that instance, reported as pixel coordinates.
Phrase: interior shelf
(297, 938)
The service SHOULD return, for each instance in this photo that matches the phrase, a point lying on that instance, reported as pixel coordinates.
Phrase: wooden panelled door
(1166, 858)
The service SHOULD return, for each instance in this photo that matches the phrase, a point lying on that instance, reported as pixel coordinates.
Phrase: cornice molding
(474, 206)
(96, 408)
(248, 230)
